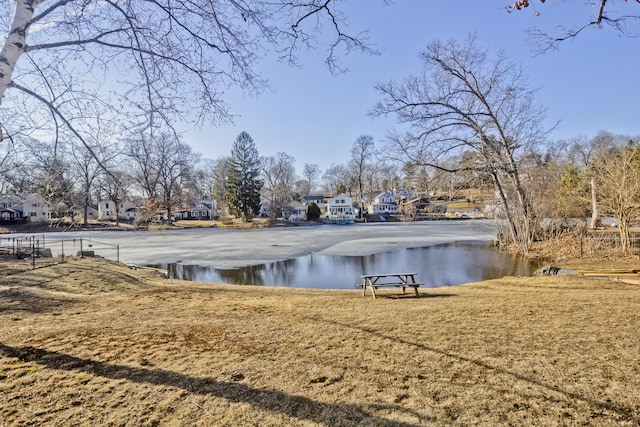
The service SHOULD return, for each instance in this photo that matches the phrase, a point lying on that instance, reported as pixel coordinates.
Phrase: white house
(107, 210)
(383, 203)
(29, 206)
(340, 208)
(92, 212)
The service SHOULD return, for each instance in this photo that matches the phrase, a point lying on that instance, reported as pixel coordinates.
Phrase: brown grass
(91, 342)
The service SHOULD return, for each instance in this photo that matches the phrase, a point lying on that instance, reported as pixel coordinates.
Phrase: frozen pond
(232, 248)
(438, 265)
(322, 256)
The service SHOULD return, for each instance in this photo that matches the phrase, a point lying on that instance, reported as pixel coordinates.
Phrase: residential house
(402, 195)
(29, 207)
(317, 198)
(384, 203)
(265, 208)
(108, 210)
(92, 212)
(294, 211)
(340, 208)
(201, 209)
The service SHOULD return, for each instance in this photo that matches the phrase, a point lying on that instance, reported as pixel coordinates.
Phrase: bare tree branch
(156, 62)
(545, 40)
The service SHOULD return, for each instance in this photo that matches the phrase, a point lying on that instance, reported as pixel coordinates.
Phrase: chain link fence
(589, 245)
(607, 245)
(39, 251)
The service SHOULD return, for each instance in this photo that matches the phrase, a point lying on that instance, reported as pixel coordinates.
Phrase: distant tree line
(578, 178)
(101, 124)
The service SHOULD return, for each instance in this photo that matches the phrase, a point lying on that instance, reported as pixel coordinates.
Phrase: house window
(106, 205)
(33, 213)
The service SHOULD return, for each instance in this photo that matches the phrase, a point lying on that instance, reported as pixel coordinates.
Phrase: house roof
(295, 205)
(314, 196)
(207, 203)
(385, 193)
(12, 198)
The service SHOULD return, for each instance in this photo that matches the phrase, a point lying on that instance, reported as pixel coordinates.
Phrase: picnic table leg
(373, 291)
(364, 287)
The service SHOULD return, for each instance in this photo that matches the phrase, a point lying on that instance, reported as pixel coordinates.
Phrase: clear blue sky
(590, 84)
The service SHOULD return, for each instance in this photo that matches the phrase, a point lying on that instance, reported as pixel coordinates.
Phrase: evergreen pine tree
(313, 212)
(243, 184)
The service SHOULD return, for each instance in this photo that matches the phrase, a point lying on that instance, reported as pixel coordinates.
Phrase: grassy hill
(90, 342)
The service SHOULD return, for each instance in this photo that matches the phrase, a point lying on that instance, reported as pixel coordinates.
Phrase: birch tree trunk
(595, 214)
(15, 42)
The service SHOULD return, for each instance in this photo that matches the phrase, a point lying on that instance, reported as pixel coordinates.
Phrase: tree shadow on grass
(624, 412)
(272, 400)
(23, 300)
(413, 295)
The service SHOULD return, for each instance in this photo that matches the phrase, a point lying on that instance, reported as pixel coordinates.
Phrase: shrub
(313, 212)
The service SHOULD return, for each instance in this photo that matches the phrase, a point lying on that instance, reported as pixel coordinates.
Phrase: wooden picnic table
(375, 281)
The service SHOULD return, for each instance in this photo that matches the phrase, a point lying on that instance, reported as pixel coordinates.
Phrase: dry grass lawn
(91, 342)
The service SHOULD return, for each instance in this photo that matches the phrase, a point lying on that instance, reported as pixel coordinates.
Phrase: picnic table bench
(399, 280)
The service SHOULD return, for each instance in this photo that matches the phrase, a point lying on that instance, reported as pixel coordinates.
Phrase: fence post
(118, 253)
(81, 250)
(62, 248)
(33, 253)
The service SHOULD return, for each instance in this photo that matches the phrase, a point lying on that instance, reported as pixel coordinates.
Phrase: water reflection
(441, 265)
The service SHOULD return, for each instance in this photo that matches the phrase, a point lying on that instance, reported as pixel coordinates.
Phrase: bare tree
(278, 173)
(311, 173)
(336, 179)
(51, 174)
(362, 152)
(14, 174)
(113, 186)
(146, 162)
(87, 168)
(219, 185)
(7, 163)
(618, 183)
(161, 165)
(619, 17)
(585, 153)
(464, 100)
(148, 63)
(203, 178)
(87, 171)
(176, 167)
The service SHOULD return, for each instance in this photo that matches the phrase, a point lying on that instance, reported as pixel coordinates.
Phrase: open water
(438, 265)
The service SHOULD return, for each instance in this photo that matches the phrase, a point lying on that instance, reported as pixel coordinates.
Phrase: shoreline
(235, 248)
